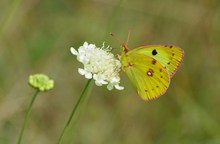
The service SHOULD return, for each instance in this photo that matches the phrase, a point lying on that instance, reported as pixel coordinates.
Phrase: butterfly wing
(168, 55)
(147, 75)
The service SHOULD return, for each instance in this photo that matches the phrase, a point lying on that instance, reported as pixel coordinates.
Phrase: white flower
(99, 64)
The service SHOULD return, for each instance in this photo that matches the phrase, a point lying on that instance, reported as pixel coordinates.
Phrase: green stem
(73, 111)
(27, 116)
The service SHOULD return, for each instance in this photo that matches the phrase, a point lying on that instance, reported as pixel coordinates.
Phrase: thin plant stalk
(73, 111)
(76, 121)
(26, 117)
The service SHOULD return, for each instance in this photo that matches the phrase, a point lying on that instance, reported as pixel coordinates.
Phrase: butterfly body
(150, 68)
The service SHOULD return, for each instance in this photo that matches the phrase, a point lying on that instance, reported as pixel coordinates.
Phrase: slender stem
(27, 116)
(73, 111)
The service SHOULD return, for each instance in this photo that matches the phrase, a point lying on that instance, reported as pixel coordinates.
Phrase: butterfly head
(124, 47)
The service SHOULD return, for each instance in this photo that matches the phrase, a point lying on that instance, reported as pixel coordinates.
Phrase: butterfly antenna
(122, 43)
(129, 33)
(116, 38)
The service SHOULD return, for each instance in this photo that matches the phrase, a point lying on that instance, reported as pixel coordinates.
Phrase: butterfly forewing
(148, 76)
(169, 56)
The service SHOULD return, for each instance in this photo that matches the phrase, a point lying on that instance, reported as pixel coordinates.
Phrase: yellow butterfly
(151, 67)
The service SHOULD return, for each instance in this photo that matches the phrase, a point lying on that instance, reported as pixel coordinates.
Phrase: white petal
(119, 87)
(91, 46)
(100, 79)
(82, 50)
(104, 82)
(103, 44)
(109, 86)
(73, 51)
(81, 58)
(88, 75)
(81, 71)
(95, 76)
(98, 83)
(85, 44)
(115, 80)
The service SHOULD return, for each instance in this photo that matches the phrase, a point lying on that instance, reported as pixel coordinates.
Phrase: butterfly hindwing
(168, 55)
(148, 76)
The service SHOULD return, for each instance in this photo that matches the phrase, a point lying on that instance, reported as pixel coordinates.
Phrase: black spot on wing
(154, 52)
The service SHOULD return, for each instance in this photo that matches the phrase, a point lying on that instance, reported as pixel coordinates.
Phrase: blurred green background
(35, 36)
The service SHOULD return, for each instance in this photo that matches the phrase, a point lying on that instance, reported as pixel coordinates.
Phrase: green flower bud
(41, 82)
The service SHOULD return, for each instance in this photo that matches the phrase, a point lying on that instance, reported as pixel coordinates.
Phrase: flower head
(99, 64)
(41, 82)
